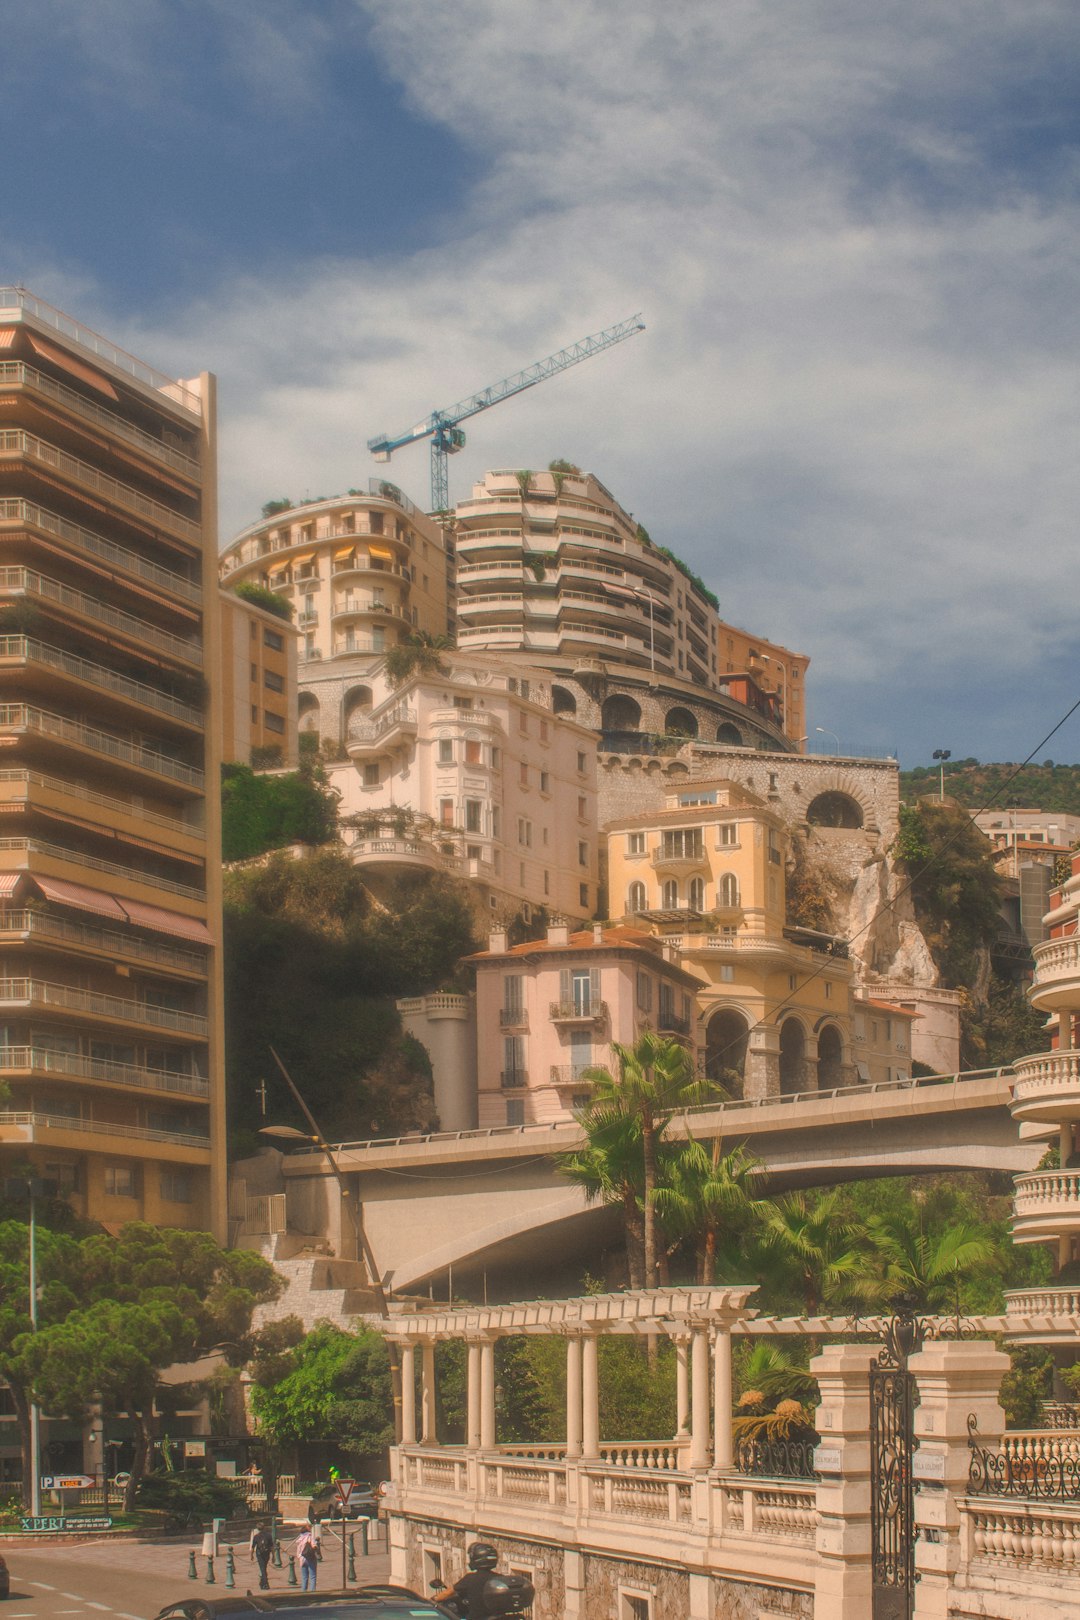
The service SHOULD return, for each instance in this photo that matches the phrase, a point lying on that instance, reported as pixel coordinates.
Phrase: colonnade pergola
(699, 1321)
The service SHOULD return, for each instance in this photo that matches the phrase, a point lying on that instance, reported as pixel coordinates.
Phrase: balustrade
(1005, 1539)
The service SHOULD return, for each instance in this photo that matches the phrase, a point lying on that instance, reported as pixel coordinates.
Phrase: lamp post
(941, 755)
(32, 1187)
(825, 732)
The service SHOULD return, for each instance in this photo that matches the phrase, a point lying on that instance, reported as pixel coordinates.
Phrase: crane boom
(442, 425)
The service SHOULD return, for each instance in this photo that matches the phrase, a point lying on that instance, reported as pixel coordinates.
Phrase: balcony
(35, 1062)
(403, 853)
(669, 1023)
(25, 848)
(513, 1018)
(23, 717)
(1057, 974)
(49, 1130)
(582, 1010)
(513, 1079)
(77, 538)
(571, 1074)
(675, 859)
(1047, 1087)
(381, 736)
(80, 936)
(26, 582)
(1046, 1204)
(28, 652)
(16, 371)
(16, 444)
(35, 993)
(37, 790)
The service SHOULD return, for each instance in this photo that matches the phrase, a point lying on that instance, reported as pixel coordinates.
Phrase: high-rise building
(258, 674)
(110, 887)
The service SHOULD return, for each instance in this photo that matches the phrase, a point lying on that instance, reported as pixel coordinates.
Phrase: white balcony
(1047, 1087)
(401, 854)
(1057, 974)
(1046, 1205)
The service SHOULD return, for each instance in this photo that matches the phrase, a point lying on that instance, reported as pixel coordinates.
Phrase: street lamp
(33, 1187)
(941, 755)
(825, 732)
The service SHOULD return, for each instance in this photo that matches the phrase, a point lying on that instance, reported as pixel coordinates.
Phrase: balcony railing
(570, 1074)
(40, 1060)
(85, 795)
(513, 1079)
(1047, 1085)
(50, 590)
(1044, 1202)
(26, 717)
(13, 441)
(513, 1018)
(100, 1127)
(64, 997)
(669, 1023)
(18, 372)
(47, 925)
(107, 680)
(583, 1010)
(80, 539)
(1046, 1301)
(60, 852)
(372, 730)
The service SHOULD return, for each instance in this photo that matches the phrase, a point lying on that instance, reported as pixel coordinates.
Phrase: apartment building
(258, 674)
(706, 874)
(882, 1039)
(469, 769)
(110, 899)
(549, 566)
(547, 1011)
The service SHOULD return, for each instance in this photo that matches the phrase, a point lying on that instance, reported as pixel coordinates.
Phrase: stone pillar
(842, 1577)
(408, 1395)
(682, 1386)
(699, 1398)
(487, 1395)
(762, 1075)
(472, 1423)
(723, 1446)
(590, 1398)
(573, 1396)
(955, 1378)
(427, 1392)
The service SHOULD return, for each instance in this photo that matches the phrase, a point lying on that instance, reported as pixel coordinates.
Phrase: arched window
(696, 894)
(620, 713)
(726, 1038)
(793, 1076)
(727, 733)
(562, 701)
(834, 809)
(671, 895)
(635, 898)
(729, 891)
(830, 1058)
(680, 722)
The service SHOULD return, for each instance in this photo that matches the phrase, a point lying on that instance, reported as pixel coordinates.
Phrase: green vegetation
(261, 813)
(191, 1497)
(560, 466)
(699, 584)
(418, 654)
(330, 1386)
(275, 508)
(312, 967)
(261, 596)
(1044, 787)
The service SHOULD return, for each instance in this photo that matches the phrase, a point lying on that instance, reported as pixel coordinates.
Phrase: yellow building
(707, 874)
(110, 885)
(258, 674)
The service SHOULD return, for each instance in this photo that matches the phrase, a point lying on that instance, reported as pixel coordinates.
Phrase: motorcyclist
(467, 1595)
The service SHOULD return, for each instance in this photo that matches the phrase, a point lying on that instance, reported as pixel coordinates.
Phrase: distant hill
(1041, 787)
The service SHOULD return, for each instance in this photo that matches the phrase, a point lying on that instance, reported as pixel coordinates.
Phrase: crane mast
(442, 428)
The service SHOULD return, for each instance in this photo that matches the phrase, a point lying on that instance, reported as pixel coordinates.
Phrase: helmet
(482, 1555)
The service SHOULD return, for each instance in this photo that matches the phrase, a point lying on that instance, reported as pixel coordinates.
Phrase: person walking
(307, 1550)
(262, 1545)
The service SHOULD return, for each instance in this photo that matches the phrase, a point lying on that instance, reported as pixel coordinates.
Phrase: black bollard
(230, 1568)
(192, 1573)
(210, 1572)
(292, 1571)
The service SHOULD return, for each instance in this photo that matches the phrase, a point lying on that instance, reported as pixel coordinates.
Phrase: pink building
(549, 1009)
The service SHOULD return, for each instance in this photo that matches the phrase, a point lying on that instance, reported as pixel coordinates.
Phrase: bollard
(276, 1555)
(192, 1573)
(230, 1568)
(352, 1557)
(210, 1572)
(292, 1571)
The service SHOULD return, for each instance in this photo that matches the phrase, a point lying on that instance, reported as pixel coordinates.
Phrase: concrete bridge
(463, 1212)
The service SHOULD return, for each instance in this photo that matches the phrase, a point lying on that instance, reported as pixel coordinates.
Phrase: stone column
(955, 1379)
(487, 1395)
(842, 1577)
(682, 1385)
(408, 1395)
(699, 1398)
(573, 1395)
(723, 1446)
(762, 1077)
(590, 1398)
(472, 1424)
(427, 1392)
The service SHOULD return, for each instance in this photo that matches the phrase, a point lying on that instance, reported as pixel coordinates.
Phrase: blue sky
(852, 230)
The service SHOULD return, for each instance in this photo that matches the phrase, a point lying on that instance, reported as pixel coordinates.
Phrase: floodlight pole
(35, 1410)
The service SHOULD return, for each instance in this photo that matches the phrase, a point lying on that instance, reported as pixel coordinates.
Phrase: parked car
(5, 1579)
(363, 1502)
(357, 1603)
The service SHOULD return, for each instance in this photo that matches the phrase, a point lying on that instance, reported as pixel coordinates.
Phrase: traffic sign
(345, 1488)
(66, 1482)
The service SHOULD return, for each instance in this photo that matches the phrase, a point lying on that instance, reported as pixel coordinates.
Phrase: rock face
(877, 917)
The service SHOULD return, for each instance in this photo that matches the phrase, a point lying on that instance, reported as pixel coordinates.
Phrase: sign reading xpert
(60, 1523)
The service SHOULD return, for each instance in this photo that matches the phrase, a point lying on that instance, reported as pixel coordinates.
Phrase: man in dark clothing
(262, 1545)
(467, 1595)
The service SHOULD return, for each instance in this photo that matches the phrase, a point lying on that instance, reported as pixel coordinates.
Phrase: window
(635, 843)
(273, 722)
(273, 640)
(462, 703)
(524, 832)
(644, 992)
(635, 897)
(254, 630)
(727, 975)
(523, 773)
(65, 1176)
(254, 672)
(729, 833)
(544, 731)
(547, 881)
(496, 821)
(774, 847)
(828, 997)
(120, 1180)
(696, 894)
(667, 1005)
(545, 782)
(254, 714)
(582, 853)
(579, 989)
(582, 808)
(272, 681)
(473, 751)
(793, 981)
(729, 889)
(473, 812)
(177, 1187)
(446, 812)
(523, 724)
(513, 1061)
(495, 758)
(524, 689)
(445, 752)
(582, 763)
(583, 895)
(371, 775)
(634, 1606)
(683, 843)
(512, 998)
(671, 894)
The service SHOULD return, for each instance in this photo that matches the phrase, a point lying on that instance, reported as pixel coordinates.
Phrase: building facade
(258, 674)
(468, 769)
(110, 986)
(706, 874)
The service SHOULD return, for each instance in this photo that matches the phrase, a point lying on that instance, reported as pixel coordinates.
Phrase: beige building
(550, 567)
(707, 875)
(258, 674)
(882, 1032)
(110, 917)
(472, 772)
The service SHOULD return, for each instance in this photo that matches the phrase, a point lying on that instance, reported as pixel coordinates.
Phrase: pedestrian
(262, 1545)
(307, 1549)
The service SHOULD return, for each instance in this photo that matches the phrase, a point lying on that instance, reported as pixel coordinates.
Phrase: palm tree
(610, 1169)
(419, 654)
(925, 1269)
(655, 1078)
(711, 1197)
(825, 1249)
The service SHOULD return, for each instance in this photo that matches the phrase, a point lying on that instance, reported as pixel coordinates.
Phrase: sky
(852, 231)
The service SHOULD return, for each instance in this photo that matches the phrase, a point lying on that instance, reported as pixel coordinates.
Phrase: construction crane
(441, 427)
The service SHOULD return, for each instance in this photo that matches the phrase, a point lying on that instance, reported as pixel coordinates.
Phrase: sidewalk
(170, 1561)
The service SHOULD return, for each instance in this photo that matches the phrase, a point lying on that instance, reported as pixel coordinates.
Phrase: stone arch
(670, 894)
(727, 733)
(636, 898)
(830, 1058)
(727, 1035)
(620, 713)
(793, 1066)
(563, 701)
(356, 702)
(308, 711)
(834, 808)
(680, 722)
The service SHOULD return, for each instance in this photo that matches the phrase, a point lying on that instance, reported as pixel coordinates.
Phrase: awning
(380, 551)
(73, 367)
(863, 1071)
(167, 922)
(345, 551)
(7, 337)
(74, 894)
(8, 880)
(302, 562)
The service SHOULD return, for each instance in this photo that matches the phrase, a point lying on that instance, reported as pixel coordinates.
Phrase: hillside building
(110, 916)
(258, 675)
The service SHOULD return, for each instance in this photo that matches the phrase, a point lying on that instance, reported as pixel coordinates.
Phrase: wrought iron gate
(892, 1499)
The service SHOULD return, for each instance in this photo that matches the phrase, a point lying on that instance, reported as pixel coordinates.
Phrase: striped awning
(380, 551)
(167, 922)
(8, 880)
(302, 562)
(73, 367)
(84, 899)
(344, 551)
(7, 337)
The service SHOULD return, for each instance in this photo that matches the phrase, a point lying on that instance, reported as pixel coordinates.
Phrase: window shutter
(565, 988)
(594, 985)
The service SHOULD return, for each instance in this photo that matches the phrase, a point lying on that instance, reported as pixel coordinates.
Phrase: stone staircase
(319, 1286)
